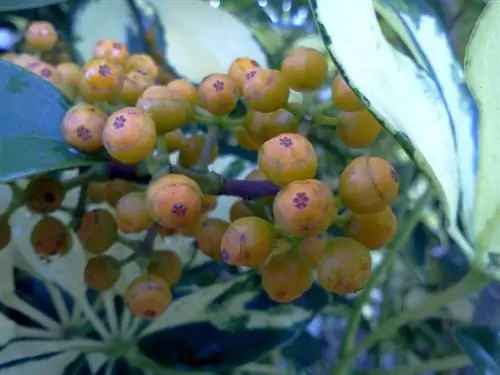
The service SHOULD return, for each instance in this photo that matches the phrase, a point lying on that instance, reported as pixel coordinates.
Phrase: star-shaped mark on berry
(286, 142)
(179, 210)
(104, 70)
(301, 200)
(83, 133)
(45, 72)
(251, 74)
(119, 122)
(218, 85)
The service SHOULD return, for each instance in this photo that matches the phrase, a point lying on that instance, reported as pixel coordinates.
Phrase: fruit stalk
(434, 365)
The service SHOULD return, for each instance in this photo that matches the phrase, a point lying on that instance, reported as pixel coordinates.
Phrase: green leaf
(483, 78)
(482, 345)
(420, 28)
(200, 39)
(31, 141)
(401, 95)
(11, 5)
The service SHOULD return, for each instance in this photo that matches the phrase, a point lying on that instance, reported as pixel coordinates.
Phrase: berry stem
(208, 119)
(211, 141)
(434, 365)
(145, 250)
(325, 120)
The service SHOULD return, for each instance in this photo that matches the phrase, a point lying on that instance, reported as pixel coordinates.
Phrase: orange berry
(358, 129)
(372, 230)
(246, 141)
(368, 184)
(288, 157)
(101, 80)
(305, 69)
(175, 201)
(239, 210)
(5, 232)
(166, 264)
(102, 272)
(132, 213)
(70, 73)
(97, 231)
(191, 230)
(41, 36)
(148, 296)
(111, 50)
(312, 247)
(344, 267)
(129, 135)
(168, 110)
(247, 242)
(142, 63)
(266, 90)
(209, 203)
(173, 140)
(46, 71)
(83, 126)
(264, 126)
(305, 208)
(286, 276)
(191, 150)
(134, 85)
(255, 175)
(50, 237)
(218, 94)
(239, 70)
(116, 189)
(209, 237)
(343, 97)
(25, 59)
(44, 194)
(184, 89)
(97, 191)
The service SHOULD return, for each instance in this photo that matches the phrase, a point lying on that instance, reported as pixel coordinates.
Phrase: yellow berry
(97, 231)
(209, 237)
(83, 126)
(312, 247)
(191, 150)
(111, 50)
(239, 210)
(174, 140)
(358, 129)
(209, 203)
(305, 69)
(184, 89)
(239, 70)
(41, 36)
(372, 230)
(144, 64)
(46, 71)
(134, 85)
(266, 90)
(167, 265)
(343, 97)
(129, 135)
(148, 296)
(245, 141)
(116, 189)
(70, 73)
(101, 80)
(102, 272)
(264, 126)
(132, 213)
(218, 94)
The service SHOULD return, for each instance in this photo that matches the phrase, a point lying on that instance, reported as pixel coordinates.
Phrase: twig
(211, 141)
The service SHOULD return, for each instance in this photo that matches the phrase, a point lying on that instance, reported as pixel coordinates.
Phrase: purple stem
(238, 188)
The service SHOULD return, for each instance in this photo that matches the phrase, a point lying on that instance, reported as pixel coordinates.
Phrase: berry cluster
(121, 109)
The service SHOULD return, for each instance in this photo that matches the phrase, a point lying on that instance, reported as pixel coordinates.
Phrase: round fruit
(97, 231)
(44, 194)
(116, 189)
(102, 272)
(97, 191)
(134, 85)
(239, 210)
(50, 237)
(132, 213)
(343, 97)
(129, 135)
(82, 127)
(6, 232)
(368, 184)
(148, 296)
(168, 110)
(46, 71)
(101, 80)
(25, 59)
(358, 129)
(247, 242)
(264, 126)
(144, 64)
(305, 69)
(239, 70)
(41, 36)
(344, 266)
(111, 50)
(209, 203)
(305, 208)
(218, 94)
(255, 175)
(166, 264)
(245, 141)
(209, 237)
(266, 90)
(288, 157)
(191, 150)
(184, 89)
(173, 140)
(312, 247)
(70, 73)
(286, 276)
(175, 201)
(372, 230)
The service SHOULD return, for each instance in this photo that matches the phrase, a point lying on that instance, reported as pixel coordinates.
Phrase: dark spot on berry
(301, 200)
(119, 122)
(49, 198)
(150, 313)
(254, 63)
(117, 45)
(32, 65)
(225, 254)
(394, 175)
(83, 133)
(218, 85)
(45, 72)
(286, 142)
(251, 74)
(179, 210)
(104, 70)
